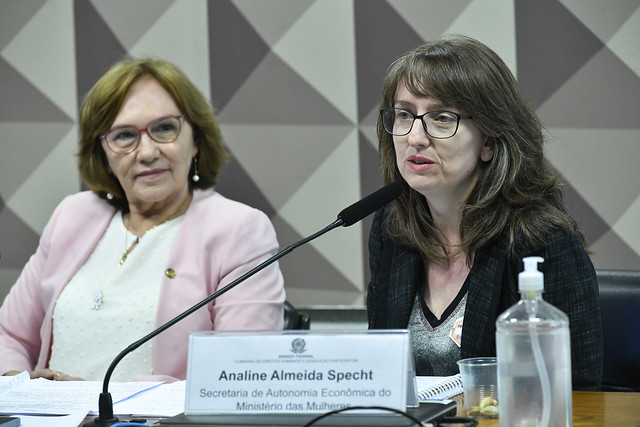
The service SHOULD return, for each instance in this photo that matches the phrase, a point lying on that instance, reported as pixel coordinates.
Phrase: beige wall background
(295, 84)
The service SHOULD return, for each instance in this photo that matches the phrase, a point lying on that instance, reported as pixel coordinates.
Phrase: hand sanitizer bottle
(534, 358)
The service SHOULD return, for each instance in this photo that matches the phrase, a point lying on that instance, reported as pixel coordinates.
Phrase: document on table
(41, 396)
(166, 400)
(51, 420)
(41, 399)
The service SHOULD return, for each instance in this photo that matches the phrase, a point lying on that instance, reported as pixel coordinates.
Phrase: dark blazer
(569, 279)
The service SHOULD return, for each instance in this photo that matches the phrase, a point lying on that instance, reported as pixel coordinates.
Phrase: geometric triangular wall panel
(552, 44)
(296, 87)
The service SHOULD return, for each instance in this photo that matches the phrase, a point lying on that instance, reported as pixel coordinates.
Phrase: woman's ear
(486, 151)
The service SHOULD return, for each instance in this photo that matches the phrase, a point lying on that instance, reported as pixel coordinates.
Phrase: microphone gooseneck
(346, 217)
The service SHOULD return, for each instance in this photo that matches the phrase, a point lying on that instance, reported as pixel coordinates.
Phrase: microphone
(370, 204)
(346, 217)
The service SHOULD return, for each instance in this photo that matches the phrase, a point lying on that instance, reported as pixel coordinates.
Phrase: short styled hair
(103, 102)
(517, 191)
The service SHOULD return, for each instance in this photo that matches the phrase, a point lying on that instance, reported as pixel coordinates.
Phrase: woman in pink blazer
(151, 239)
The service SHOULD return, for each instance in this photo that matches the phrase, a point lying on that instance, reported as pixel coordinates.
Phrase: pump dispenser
(534, 357)
(531, 280)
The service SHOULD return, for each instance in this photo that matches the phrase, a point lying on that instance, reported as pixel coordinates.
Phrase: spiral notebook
(438, 388)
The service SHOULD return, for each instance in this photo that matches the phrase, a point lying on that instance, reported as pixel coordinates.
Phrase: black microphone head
(370, 204)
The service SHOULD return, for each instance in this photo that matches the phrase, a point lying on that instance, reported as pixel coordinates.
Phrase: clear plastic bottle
(534, 358)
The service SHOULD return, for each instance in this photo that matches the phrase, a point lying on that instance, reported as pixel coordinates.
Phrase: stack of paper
(43, 402)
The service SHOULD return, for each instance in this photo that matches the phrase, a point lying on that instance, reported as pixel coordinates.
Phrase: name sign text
(298, 371)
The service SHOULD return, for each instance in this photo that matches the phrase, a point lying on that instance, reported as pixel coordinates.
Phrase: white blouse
(106, 306)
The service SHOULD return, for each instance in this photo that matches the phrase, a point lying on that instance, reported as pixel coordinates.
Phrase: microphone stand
(105, 403)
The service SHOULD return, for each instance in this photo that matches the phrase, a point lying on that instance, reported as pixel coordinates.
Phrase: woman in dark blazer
(456, 130)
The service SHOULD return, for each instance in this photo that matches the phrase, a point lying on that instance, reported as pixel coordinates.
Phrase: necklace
(174, 215)
(98, 298)
(130, 248)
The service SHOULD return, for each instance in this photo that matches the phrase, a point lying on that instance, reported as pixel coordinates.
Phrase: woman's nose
(418, 134)
(147, 146)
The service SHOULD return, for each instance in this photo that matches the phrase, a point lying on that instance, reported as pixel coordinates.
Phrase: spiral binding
(448, 387)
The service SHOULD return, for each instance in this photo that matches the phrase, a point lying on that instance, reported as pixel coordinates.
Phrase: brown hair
(517, 192)
(103, 102)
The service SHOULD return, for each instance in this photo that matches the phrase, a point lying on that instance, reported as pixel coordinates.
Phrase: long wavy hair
(517, 193)
(102, 104)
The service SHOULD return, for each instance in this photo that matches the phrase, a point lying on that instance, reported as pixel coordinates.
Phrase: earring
(195, 176)
(109, 196)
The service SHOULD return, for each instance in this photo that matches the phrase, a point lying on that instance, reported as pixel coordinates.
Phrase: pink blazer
(219, 240)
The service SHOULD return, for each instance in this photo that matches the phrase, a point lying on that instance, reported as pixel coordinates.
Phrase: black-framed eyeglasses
(439, 124)
(123, 140)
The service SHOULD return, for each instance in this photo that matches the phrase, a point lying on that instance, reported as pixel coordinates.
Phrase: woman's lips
(151, 174)
(419, 163)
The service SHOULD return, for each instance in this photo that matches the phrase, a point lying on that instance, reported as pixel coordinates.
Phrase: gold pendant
(126, 252)
(124, 257)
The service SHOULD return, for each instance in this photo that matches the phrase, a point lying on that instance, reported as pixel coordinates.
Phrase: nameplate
(298, 371)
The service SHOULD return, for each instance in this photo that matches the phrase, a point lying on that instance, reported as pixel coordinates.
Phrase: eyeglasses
(124, 140)
(439, 124)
